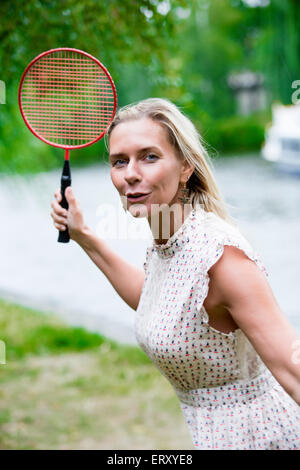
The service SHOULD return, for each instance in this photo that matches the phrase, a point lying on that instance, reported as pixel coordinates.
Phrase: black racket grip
(63, 236)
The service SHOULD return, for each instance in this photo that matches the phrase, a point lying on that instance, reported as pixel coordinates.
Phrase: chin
(138, 210)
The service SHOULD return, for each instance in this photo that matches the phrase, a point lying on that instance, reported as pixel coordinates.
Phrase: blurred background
(233, 67)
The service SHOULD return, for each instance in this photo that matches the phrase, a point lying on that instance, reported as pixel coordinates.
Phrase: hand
(72, 217)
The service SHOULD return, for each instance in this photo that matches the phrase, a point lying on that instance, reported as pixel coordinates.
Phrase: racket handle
(63, 236)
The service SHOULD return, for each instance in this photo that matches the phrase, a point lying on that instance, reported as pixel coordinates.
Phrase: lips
(136, 196)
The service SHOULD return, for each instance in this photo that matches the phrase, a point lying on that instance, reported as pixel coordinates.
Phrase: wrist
(81, 237)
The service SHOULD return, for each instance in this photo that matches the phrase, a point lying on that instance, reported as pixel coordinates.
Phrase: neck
(167, 221)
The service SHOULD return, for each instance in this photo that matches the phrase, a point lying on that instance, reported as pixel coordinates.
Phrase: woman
(205, 313)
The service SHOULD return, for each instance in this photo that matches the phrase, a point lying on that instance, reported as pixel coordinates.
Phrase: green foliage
(184, 53)
(27, 332)
(237, 133)
(118, 32)
(46, 338)
(276, 48)
(21, 152)
(130, 37)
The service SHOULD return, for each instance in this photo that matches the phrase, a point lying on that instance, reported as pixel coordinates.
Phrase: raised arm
(126, 278)
(244, 290)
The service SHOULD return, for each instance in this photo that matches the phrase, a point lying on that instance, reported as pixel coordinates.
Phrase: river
(38, 272)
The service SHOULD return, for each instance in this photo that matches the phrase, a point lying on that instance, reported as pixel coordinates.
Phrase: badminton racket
(67, 99)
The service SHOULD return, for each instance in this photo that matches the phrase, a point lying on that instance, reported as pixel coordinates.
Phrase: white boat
(282, 138)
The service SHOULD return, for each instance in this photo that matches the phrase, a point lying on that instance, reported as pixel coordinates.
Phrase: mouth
(137, 198)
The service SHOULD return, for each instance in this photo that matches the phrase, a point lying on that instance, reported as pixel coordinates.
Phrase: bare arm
(126, 278)
(243, 289)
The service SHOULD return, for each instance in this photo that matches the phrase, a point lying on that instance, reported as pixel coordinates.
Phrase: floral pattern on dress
(172, 327)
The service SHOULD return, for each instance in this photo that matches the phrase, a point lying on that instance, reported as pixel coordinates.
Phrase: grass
(66, 388)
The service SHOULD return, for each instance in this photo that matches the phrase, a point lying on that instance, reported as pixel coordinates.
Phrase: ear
(186, 171)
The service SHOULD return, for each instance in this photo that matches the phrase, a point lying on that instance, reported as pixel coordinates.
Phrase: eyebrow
(143, 150)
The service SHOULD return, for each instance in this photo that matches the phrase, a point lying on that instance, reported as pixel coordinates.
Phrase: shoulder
(233, 265)
(235, 277)
(219, 239)
(214, 226)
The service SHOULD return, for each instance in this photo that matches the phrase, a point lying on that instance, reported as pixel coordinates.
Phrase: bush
(21, 152)
(234, 134)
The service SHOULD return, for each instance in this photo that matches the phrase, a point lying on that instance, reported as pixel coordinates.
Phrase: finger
(58, 219)
(58, 209)
(70, 195)
(60, 227)
(58, 195)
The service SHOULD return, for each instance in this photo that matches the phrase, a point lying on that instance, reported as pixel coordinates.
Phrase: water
(38, 272)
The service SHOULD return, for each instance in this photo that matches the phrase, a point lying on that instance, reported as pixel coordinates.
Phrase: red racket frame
(70, 49)
(66, 174)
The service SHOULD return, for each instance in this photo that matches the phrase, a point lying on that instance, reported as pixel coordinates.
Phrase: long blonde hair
(189, 144)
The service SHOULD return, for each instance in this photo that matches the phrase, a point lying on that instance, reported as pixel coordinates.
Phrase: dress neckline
(179, 238)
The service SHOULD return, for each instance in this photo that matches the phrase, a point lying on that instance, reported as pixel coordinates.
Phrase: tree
(118, 32)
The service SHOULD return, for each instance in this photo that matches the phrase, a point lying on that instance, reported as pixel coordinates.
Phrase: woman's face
(143, 161)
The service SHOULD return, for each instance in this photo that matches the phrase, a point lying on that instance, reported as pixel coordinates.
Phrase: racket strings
(67, 98)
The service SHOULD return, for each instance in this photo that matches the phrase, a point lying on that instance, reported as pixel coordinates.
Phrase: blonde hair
(187, 141)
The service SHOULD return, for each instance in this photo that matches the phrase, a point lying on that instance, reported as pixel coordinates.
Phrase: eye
(116, 161)
(151, 155)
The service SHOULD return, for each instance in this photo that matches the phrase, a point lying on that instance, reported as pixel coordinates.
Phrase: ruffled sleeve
(217, 235)
(236, 239)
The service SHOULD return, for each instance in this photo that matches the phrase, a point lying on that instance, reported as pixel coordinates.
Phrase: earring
(185, 198)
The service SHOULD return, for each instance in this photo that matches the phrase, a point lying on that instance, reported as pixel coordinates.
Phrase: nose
(132, 173)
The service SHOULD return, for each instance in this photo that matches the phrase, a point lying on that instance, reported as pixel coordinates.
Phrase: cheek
(164, 174)
(166, 179)
(114, 178)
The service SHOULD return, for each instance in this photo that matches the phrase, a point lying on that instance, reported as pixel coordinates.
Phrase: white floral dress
(229, 398)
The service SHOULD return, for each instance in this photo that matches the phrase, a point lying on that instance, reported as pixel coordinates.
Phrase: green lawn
(66, 388)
